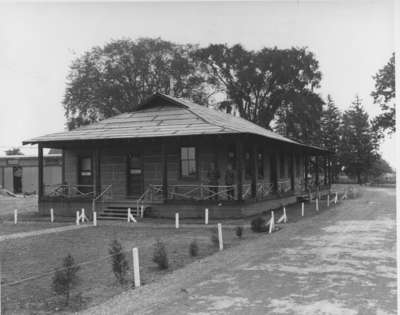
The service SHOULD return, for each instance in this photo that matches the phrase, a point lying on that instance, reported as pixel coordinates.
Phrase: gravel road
(342, 261)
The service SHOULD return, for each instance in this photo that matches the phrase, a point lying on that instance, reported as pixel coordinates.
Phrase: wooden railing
(284, 185)
(264, 189)
(105, 194)
(69, 191)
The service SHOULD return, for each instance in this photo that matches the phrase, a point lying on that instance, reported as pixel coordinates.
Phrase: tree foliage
(115, 78)
(66, 278)
(384, 95)
(13, 151)
(261, 82)
(119, 262)
(331, 121)
(358, 144)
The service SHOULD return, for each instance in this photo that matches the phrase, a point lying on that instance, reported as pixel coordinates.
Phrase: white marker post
(136, 271)
(220, 240)
(77, 217)
(271, 222)
(336, 198)
(316, 204)
(283, 218)
(94, 218)
(302, 209)
(83, 216)
(130, 216)
(15, 216)
(327, 202)
(206, 216)
(142, 211)
(51, 215)
(177, 220)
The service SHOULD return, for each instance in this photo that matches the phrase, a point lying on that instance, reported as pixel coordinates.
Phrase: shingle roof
(163, 116)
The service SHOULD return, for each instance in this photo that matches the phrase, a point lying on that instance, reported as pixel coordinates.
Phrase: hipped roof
(165, 116)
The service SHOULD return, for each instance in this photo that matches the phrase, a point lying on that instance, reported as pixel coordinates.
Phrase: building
(19, 173)
(173, 155)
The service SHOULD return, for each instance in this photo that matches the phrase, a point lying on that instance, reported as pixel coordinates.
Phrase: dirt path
(342, 261)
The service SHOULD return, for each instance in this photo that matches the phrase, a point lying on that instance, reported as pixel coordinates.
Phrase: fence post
(129, 214)
(51, 215)
(316, 204)
(94, 218)
(77, 217)
(336, 198)
(206, 216)
(136, 271)
(327, 202)
(177, 220)
(271, 222)
(142, 211)
(15, 216)
(220, 240)
(302, 209)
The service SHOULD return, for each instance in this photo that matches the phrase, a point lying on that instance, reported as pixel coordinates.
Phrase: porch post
(329, 171)
(63, 167)
(274, 171)
(164, 171)
(292, 171)
(239, 163)
(306, 171)
(254, 173)
(325, 170)
(40, 171)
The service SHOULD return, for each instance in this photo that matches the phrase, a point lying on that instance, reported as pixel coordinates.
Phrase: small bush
(193, 248)
(258, 225)
(239, 231)
(160, 256)
(214, 238)
(66, 278)
(119, 262)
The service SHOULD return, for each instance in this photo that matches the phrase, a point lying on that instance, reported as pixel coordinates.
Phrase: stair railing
(99, 196)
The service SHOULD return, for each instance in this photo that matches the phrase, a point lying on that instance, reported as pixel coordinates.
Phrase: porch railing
(105, 194)
(264, 189)
(69, 191)
(284, 185)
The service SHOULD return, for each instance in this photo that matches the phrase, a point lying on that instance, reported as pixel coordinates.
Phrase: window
(188, 162)
(247, 165)
(260, 164)
(85, 165)
(282, 165)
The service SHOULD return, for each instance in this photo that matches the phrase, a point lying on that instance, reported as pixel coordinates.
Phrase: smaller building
(19, 173)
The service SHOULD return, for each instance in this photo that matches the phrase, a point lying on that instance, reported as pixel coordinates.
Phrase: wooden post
(95, 218)
(274, 172)
(15, 216)
(206, 216)
(254, 172)
(272, 222)
(77, 218)
(291, 172)
(316, 172)
(302, 209)
(177, 220)
(239, 171)
(51, 215)
(136, 270)
(96, 172)
(327, 201)
(325, 171)
(316, 204)
(40, 172)
(164, 157)
(306, 171)
(220, 240)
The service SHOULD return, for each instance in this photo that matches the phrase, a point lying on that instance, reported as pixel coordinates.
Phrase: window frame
(196, 161)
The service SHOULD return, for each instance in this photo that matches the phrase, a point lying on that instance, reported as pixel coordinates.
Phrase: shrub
(160, 256)
(66, 278)
(214, 238)
(193, 248)
(258, 225)
(239, 231)
(119, 262)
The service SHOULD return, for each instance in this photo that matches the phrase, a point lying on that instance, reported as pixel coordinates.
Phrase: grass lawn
(24, 205)
(27, 257)
(10, 228)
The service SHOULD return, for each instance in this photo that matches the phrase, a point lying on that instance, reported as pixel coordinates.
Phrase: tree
(117, 77)
(384, 95)
(66, 278)
(380, 167)
(358, 146)
(119, 262)
(14, 151)
(331, 121)
(260, 82)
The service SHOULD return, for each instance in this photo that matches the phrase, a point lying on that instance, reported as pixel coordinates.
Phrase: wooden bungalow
(173, 155)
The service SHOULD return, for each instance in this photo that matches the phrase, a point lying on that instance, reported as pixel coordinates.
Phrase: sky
(351, 40)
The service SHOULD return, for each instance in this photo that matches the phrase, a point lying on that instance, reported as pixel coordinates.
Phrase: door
(135, 175)
(17, 174)
(85, 176)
